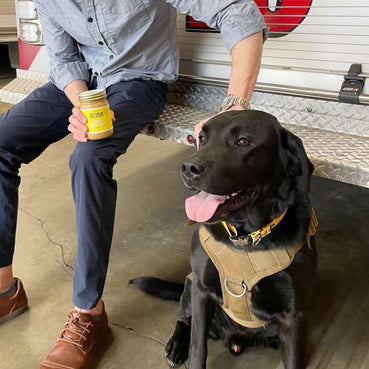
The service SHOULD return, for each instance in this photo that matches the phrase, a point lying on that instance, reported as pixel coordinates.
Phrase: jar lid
(92, 95)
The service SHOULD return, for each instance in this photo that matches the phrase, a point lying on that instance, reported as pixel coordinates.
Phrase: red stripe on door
(27, 54)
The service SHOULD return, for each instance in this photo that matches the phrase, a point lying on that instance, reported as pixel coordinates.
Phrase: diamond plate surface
(177, 123)
(18, 89)
(32, 75)
(335, 155)
(309, 112)
(314, 113)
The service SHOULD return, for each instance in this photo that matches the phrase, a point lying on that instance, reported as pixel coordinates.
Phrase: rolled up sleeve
(66, 63)
(236, 19)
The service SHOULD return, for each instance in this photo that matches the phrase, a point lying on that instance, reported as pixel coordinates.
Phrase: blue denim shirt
(118, 40)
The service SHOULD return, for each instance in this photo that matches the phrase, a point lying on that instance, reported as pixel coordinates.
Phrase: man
(130, 49)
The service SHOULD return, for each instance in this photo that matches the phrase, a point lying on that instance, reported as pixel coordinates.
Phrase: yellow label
(98, 119)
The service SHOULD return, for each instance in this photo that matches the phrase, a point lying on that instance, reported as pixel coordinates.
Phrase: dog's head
(245, 159)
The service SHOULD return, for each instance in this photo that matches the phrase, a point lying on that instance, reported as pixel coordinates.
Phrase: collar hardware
(252, 238)
(243, 240)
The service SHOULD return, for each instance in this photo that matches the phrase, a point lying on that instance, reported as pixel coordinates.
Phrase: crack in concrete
(150, 338)
(63, 263)
(131, 330)
(69, 268)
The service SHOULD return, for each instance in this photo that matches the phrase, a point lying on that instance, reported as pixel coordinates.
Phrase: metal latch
(352, 86)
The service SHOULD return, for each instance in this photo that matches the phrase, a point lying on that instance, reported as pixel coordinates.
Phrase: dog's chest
(240, 271)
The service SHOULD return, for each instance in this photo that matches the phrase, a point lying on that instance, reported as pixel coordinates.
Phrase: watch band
(231, 100)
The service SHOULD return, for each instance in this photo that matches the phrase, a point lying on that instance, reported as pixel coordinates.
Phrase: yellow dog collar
(252, 238)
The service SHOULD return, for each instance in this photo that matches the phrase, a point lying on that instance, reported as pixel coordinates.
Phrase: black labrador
(249, 171)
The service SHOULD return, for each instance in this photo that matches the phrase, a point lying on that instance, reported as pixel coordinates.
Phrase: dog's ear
(297, 162)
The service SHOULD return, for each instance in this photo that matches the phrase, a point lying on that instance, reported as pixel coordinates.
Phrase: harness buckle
(256, 238)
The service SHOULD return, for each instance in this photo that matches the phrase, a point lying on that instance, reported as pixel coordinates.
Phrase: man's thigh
(135, 104)
(30, 126)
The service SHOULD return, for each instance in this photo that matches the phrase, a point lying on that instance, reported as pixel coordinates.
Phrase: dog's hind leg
(178, 346)
(292, 336)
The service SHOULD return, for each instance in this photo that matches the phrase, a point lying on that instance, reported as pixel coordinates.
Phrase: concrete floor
(151, 239)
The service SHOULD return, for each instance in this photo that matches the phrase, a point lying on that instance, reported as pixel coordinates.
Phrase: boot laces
(75, 331)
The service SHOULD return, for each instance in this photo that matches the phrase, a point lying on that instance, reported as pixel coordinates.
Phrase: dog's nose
(191, 170)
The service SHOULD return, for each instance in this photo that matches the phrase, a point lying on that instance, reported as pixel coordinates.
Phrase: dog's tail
(159, 288)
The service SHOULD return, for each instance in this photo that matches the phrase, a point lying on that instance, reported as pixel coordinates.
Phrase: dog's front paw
(177, 350)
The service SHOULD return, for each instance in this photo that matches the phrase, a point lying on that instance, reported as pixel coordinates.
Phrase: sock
(10, 291)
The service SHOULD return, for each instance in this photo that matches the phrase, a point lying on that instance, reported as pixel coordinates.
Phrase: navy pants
(41, 119)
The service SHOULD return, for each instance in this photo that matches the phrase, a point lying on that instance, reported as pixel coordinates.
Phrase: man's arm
(243, 30)
(246, 59)
(77, 120)
(68, 71)
(73, 89)
(66, 63)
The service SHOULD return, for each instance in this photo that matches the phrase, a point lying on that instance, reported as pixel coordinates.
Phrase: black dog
(254, 177)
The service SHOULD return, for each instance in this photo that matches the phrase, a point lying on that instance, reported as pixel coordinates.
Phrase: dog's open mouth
(205, 206)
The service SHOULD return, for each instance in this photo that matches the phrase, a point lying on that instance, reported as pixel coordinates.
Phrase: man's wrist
(233, 101)
(73, 89)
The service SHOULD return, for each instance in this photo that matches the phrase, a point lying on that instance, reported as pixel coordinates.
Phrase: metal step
(335, 154)
(18, 89)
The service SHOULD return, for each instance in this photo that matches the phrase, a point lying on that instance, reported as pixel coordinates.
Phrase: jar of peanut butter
(95, 107)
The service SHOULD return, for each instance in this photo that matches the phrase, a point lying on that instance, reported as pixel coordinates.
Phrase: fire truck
(313, 78)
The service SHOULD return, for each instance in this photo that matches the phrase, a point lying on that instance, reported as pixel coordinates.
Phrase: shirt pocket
(125, 16)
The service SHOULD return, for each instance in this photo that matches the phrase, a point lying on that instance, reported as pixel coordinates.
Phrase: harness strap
(239, 271)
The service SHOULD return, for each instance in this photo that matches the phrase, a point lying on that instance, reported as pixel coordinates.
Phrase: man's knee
(89, 156)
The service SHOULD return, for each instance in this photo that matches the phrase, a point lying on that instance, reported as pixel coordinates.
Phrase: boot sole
(13, 314)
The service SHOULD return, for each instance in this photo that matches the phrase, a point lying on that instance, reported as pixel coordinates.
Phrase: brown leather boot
(78, 342)
(10, 307)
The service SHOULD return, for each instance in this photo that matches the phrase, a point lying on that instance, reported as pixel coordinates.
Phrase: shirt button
(96, 74)
(101, 43)
(90, 20)
(111, 57)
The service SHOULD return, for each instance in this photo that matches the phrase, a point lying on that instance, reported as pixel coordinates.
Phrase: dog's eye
(243, 142)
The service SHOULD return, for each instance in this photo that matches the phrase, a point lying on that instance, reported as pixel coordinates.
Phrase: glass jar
(95, 107)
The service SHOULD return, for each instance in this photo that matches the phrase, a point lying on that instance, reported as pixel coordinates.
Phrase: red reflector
(151, 129)
(190, 139)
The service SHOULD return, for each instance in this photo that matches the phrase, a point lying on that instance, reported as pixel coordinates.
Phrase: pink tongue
(202, 206)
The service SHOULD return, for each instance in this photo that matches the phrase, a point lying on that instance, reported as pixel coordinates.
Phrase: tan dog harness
(239, 271)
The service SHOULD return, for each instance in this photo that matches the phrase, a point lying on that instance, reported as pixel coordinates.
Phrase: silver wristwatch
(231, 100)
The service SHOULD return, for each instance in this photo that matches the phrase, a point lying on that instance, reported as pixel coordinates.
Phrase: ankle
(6, 278)
(9, 291)
(97, 310)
